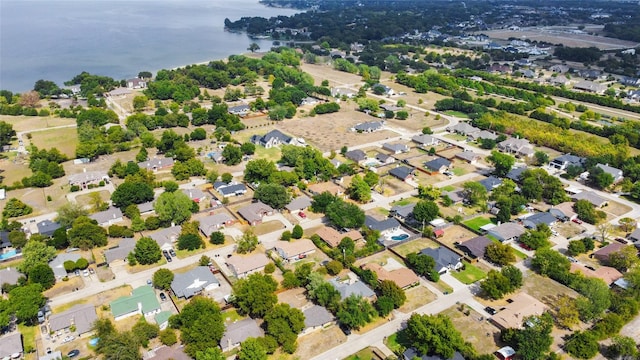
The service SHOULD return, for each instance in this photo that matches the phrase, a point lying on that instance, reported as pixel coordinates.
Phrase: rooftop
(523, 305)
(82, 316)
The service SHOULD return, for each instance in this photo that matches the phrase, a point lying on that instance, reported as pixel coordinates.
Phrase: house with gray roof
(108, 217)
(368, 127)
(445, 259)
(11, 346)
(57, 264)
(254, 212)
(166, 237)
(216, 156)
(483, 134)
(56, 355)
(231, 189)
(47, 227)
(395, 148)
(385, 159)
(385, 226)
(4, 239)
(469, 156)
(590, 86)
(195, 194)
(193, 282)
(634, 237)
(490, 183)
(212, 223)
(515, 173)
(146, 207)
(463, 128)
(564, 161)
(456, 196)
(82, 316)
(403, 173)
(239, 331)
(507, 231)
(615, 173)
(590, 196)
(87, 178)
(356, 155)
(475, 247)
(120, 252)
(300, 203)
(156, 164)
(402, 212)
(425, 140)
(559, 80)
(10, 276)
(518, 147)
(531, 222)
(559, 68)
(339, 92)
(357, 288)
(242, 266)
(438, 165)
(240, 110)
(271, 139)
(316, 317)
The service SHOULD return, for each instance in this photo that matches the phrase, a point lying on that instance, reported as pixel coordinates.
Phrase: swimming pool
(399, 237)
(9, 254)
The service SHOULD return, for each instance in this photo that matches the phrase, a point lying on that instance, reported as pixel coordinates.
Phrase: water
(8, 255)
(399, 237)
(55, 40)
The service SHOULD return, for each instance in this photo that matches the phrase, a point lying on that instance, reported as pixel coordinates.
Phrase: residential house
(4, 239)
(57, 264)
(518, 147)
(146, 207)
(403, 173)
(11, 346)
(507, 231)
(531, 222)
(188, 284)
(353, 287)
(615, 173)
(230, 189)
(438, 165)
(10, 276)
(316, 317)
(368, 127)
(162, 319)
(332, 237)
(166, 237)
(310, 101)
(633, 95)
(522, 305)
(47, 227)
(108, 217)
(456, 196)
(328, 186)
(386, 90)
(157, 164)
(595, 199)
(402, 212)
(82, 316)
(499, 69)
(603, 253)
(590, 86)
(559, 69)
(240, 110)
(445, 259)
(120, 252)
(560, 80)
(389, 107)
(403, 277)
(516, 173)
(300, 203)
(213, 223)
(490, 183)
(469, 156)
(396, 148)
(629, 81)
(463, 128)
(529, 74)
(335, 162)
(475, 247)
(118, 92)
(271, 139)
(483, 134)
(239, 331)
(195, 194)
(167, 353)
(136, 83)
(357, 156)
(564, 211)
(562, 162)
(425, 140)
(634, 237)
(292, 251)
(242, 266)
(55, 355)
(142, 301)
(84, 179)
(216, 156)
(605, 273)
(254, 212)
(386, 226)
(340, 92)
(412, 354)
(385, 159)
(590, 74)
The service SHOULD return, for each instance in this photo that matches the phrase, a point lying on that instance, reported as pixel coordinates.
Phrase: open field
(416, 297)
(63, 139)
(319, 341)
(30, 123)
(471, 273)
(561, 37)
(414, 246)
(484, 336)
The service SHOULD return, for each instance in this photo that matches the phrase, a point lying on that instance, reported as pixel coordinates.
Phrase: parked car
(163, 297)
(302, 215)
(490, 310)
(165, 253)
(40, 317)
(77, 272)
(68, 339)
(172, 253)
(91, 271)
(577, 221)
(85, 272)
(169, 259)
(73, 353)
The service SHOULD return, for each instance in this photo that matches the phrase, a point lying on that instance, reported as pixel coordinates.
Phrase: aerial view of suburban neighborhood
(412, 180)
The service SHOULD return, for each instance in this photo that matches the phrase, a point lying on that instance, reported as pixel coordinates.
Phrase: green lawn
(448, 188)
(404, 202)
(364, 354)
(477, 222)
(458, 171)
(457, 114)
(272, 154)
(469, 275)
(28, 337)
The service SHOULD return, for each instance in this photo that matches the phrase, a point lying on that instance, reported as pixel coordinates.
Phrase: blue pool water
(9, 254)
(94, 341)
(400, 237)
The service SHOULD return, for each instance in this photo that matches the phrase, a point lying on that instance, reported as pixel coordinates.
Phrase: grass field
(477, 222)
(28, 337)
(480, 333)
(64, 139)
(457, 114)
(470, 274)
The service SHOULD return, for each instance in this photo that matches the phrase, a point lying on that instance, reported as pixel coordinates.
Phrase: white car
(85, 272)
(68, 339)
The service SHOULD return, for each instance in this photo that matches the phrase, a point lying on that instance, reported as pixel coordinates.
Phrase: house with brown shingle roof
(242, 266)
(294, 250)
(254, 212)
(402, 277)
(606, 273)
(522, 305)
(604, 253)
(319, 188)
(332, 237)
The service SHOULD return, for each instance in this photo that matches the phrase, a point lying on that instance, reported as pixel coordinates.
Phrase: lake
(55, 40)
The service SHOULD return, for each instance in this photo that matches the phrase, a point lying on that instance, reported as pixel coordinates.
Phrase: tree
(247, 243)
(359, 190)
(26, 301)
(201, 325)
(252, 349)
(474, 192)
(596, 297)
(17, 238)
(497, 283)
(147, 251)
(599, 178)
(168, 337)
(627, 224)
(6, 133)
(334, 267)
(433, 335)
(284, 323)
(423, 265)
(259, 170)
(537, 238)
(35, 252)
(131, 192)
(85, 233)
(624, 259)
(162, 279)
(173, 207)
(429, 192)
(248, 148)
(253, 47)
(226, 178)
(500, 254)
(14, 208)
(255, 295)
(623, 347)
(371, 178)
(541, 157)
(68, 212)
(502, 163)
(190, 242)
(322, 292)
(274, 195)
(355, 312)
(587, 212)
(345, 215)
(144, 331)
(392, 291)
(425, 211)
(297, 232)
(210, 354)
(29, 99)
(567, 314)
(232, 155)
(216, 238)
(140, 102)
(582, 345)
(42, 274)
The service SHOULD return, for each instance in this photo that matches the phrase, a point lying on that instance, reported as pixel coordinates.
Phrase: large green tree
(425, 211)
(259, 170)
(34, 253)
(433, 335)
(163, 278)
(359, 190)
(131, 192)
(252, 349)
(173, 207)
(255, 295)
(284, 323)
(532, 342)
(201, 325)
(147, 251)
(355, 312)
(42, 274)
(274, 195)
(26, 301)
(6, 133)
(502, 163)
(345, 215)
(14, 208)
(85, 233)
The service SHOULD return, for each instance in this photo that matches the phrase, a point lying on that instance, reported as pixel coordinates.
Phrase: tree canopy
(255, 295)
(433, 335)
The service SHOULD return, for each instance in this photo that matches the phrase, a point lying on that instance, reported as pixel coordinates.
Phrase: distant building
(243, 266)
(475, 247)
(141, 301)
(592, 197)
(521, 306)
(271, 139)
(332, 237)
(157, 164)
(254, 212)
(239, 331)
(108, 217)
(357, 155)
(603, 253)
(213, 223)
(356, 287)
(120, 252)
(425, 140)
(562, 162)
(490, 183)
(10, 276)
(294, 250)
(185, 285)
(616, 174)
(136, 83)
(195, 194)
(507, 231)
(403, 173)
(531, 222)
(590, 86)
(166, 237)
(445, 259)
(229, 189)
(403, 277)
(81, 316)
(300, 203)
(316, 317)
(518, 147)
(47, 227)
(469, 156)
(395, 148)
(402, 212)
(84, 179)
(438, 165)
(368, 127)
(240, 110)
(385, 226)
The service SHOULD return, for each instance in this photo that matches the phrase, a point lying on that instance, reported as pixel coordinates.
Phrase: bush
(216, 238)
(297, 232)
(286, 236)
(74, 188)
(334, 267)
(582, 345)
(168, 337)
(82, 263)
(270, 268)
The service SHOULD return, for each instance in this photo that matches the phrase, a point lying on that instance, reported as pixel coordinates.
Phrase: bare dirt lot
(319, 341)
(484, 336)
(562, 37)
